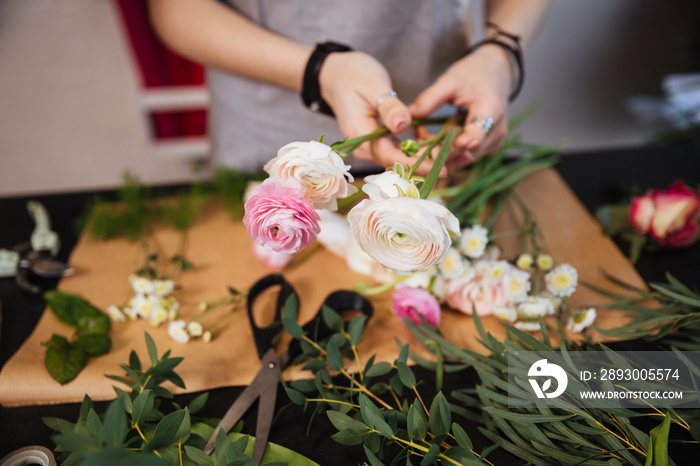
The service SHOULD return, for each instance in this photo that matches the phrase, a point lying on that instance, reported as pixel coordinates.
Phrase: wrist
(311, 85)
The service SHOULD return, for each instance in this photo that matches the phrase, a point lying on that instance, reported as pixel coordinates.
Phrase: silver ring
(483, 122)
(385, 96)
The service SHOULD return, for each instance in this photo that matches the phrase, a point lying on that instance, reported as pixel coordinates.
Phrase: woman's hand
(351, 83)
(479, 82)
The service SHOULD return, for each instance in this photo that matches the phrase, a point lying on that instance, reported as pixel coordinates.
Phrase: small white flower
(158, 316)
(206, 336)
(195, 329)
(516, 285)
(144, 305)
(562, 280)
(497, 271)
(421, 279)
(582, 319)
(177, 331)
(115, 314)
(131, 313)
(545, 261)
(173, 314)
(452, 266)
(556, 301)
(163, 287)
(439, 288)
(528, 326)
(505, 313)
(525, 261)
(534, 307)
(474, 240)
(492, 252)
(142, 285)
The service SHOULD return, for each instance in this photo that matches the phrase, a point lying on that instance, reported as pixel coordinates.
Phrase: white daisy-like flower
(173, 314)
(142, 285)
(556, 301)
(439, 288)
(452, 266)
(178, 332)
(534, 307)
(473, 241)
(582, 319)
(528, 326)
(115, 313)
(195, 329)
(545, 261)
(562, 280)
(516, 285)
(144, 305)
(131, 313)
(158, 316)
(505, 313)
(497, 270)
(525, 261)
(163, 287)
(207, 336)
(492, 252)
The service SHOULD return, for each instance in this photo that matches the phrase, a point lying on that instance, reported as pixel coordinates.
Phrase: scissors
(264, 386)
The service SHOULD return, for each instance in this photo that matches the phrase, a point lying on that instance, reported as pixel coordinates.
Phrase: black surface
(596, 178)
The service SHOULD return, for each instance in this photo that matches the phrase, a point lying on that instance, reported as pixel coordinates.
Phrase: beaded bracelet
(514, 51)
(311, 90)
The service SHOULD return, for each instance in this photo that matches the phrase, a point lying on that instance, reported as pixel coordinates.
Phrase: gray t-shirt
(416, 40)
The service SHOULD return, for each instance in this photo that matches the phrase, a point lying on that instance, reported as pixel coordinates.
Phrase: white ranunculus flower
(402, 233)
(320, 171)
(384, 185)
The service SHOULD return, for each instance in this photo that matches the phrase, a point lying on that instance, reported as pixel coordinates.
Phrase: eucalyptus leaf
(63, 361)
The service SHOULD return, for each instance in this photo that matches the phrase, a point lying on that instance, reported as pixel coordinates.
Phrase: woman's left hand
(479, 82)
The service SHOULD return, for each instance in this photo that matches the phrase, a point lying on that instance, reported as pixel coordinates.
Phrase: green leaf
(69, 307)
(331, 318)
(403, 354)
(355, 329)
(333, 356)
(59, 425)
(373, 416)
(134, 361)
(93, 344)
(97, 324)
(461, 436)
(350, 436)
(439, 417)
(431, 456)
(164, 366)
(373, 461)
(115, 424)
(124, 398)
(379, 369)
(142, 406)
(152, 350)
(289, 318)
(85, 407)
(198, 403)
(657, 453)
(63, 361)
(343, 421)
(169, 430)
(434, 173)
(406, 375)
(415, 422)
(94, 425)
(198, 456)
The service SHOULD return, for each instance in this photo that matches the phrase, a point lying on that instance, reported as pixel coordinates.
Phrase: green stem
(385, 287)
(440, 160)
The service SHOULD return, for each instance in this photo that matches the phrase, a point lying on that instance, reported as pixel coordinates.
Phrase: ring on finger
(385, 96)
(483, 122)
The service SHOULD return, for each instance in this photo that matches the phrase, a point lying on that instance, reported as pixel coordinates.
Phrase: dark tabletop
(596, 177)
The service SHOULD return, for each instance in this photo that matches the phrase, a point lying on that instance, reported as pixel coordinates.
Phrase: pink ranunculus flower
(280, 216)
(272, 259)
(475, 292)
(670, 216)
(415, 302)
(319, 170)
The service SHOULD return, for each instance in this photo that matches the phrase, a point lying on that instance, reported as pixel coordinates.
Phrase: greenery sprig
(360, 410)
(136, 428)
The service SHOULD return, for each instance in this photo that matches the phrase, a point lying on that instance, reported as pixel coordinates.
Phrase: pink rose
(415, 302)
(272, 259)
(475, 292)
(670, 216)
(280, 216)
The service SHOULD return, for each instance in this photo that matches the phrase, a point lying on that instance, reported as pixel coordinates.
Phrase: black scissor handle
(265, 336)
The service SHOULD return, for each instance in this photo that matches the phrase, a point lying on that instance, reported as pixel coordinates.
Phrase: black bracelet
(311, 90)
(514, 50)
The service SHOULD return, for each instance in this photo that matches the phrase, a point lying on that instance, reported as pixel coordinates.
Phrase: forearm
(519, 17)
(215, 35)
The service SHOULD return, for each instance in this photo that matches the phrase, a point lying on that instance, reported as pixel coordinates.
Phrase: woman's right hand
(351, 83)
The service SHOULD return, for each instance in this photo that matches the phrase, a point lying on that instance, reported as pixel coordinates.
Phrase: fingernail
(399, 124)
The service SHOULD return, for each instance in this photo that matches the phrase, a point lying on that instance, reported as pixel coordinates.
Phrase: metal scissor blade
(266, 412)
(262, 385)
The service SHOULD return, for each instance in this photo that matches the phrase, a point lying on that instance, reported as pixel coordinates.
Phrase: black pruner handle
(265, 336)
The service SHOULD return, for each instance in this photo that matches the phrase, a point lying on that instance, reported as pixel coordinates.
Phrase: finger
(393, 113)
(494, 140)
(483, 118)
(431, 99)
